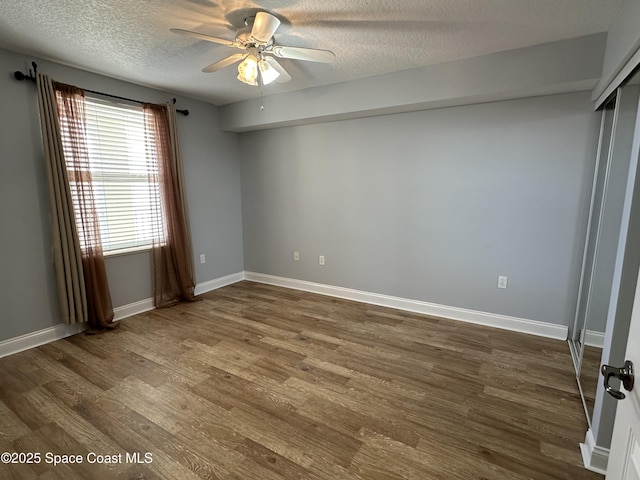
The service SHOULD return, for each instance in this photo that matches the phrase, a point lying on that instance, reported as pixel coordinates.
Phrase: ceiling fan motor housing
(259, 49)
(244, 37)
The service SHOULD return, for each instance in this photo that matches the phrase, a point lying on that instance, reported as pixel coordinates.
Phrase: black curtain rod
(32, 78)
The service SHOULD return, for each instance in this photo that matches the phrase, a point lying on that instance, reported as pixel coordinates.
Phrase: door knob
(625, 374)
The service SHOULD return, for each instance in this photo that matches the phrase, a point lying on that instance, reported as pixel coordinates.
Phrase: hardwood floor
(260, 382)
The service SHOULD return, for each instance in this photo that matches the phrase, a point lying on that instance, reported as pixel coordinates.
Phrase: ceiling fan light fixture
(258, 64)
(248, 71)
(267, 72)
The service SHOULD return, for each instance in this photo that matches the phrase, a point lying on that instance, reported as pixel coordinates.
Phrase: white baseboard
(216, 283)
(595, 458)
(62, 330)
(533, 327)
(594, 339)
(133, 309)
(204, 287)
(35, 339)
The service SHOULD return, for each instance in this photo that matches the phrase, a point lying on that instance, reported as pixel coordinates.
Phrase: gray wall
(27, 290)
(430, 205)
(571, 65)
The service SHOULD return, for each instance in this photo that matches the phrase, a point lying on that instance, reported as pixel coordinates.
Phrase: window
(123, 176)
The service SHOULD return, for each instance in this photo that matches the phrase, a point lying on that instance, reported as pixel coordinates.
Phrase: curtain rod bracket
(184, 112)
(18, 75)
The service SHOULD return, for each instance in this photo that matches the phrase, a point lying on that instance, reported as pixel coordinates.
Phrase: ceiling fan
(259, 49)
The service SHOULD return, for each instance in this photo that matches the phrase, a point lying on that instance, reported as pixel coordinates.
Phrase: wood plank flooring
(260, 382)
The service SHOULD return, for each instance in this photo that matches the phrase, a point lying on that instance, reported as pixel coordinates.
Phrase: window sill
(127, 251)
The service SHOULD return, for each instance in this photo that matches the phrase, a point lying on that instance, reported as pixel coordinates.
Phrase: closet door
(587, 348)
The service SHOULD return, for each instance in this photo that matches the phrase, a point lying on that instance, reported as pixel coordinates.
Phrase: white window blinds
(123, 171)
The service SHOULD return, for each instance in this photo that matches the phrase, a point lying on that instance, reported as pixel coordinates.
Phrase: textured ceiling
(130, 39)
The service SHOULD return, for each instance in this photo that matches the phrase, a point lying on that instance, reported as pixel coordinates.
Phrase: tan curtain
(173, 278)
(82, 280)
(66, 246)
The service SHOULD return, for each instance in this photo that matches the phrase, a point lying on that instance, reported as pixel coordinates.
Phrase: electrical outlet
(321, 259)
(296, 256)
(202, 258)
(502, 282)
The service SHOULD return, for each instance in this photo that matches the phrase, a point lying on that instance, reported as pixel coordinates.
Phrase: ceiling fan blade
(264, 26)
(225, 62)
(284, 76)
(309, 54)
(202, 36)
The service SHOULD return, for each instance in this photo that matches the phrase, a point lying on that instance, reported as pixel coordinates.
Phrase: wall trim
(533, 327)
(595, 458)
(523, 325)
(62, 330)
(131, 309)
(216, 283)
(594, 339)
(35, 339)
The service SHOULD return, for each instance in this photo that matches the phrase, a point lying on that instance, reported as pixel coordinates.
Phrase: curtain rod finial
(18, 75)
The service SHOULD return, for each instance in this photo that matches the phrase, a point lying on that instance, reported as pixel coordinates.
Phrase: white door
(624, 459)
